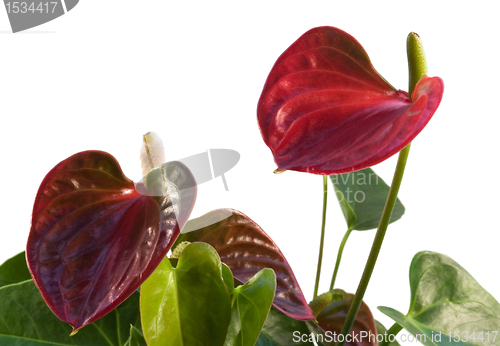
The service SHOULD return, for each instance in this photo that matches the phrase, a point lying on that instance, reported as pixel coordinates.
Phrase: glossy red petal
(94, 239)
(324, 109)
(246, 249)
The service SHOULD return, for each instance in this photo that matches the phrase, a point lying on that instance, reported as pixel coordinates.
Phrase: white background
(109, 71)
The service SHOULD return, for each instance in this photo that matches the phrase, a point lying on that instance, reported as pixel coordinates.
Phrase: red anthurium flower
(325, 109)
(332, 318)
(95, 238)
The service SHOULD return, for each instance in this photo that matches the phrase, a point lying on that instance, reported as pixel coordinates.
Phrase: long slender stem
(339, 257)
(322, 241)
(377, 242)
(417, 67)
(393, 331)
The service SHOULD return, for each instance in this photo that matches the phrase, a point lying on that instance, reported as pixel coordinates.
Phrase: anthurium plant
(114, 262)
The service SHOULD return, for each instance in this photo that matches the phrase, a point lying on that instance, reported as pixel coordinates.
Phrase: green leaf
(25, 320)
(362, 197)
(250, 306)
(228, 277)
(447, 305)
(14, 270)
(347, 209)
(281, 330)
(188, 305)
(136, 337)
(265, 340)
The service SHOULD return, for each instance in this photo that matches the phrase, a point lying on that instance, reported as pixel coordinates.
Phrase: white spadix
(152, 152)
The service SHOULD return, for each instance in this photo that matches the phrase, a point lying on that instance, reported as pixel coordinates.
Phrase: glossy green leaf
(228, 277)
(250, 306)
(281, 330)
(136, 337)
(27, 321)
(14, 270)
(188, 305)
(362, 197)
(447, 305)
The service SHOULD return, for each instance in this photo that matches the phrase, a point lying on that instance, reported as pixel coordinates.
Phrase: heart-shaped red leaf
(246, 249)
(333, 316)
(325, 109)
(94, 238)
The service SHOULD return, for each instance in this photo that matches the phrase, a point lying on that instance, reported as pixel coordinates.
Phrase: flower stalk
(339, 257)
(417, 67)
(322, 240)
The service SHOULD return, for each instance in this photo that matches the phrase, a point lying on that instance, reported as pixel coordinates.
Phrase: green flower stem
(417, 67)
(394, 330)
(322, 241)
(339, 257)
(377, 242)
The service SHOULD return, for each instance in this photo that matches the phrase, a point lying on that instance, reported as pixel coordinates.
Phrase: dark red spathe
(94, 239)
(324, 109)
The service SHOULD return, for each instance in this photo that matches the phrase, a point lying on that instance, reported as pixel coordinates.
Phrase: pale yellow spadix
(152, 152)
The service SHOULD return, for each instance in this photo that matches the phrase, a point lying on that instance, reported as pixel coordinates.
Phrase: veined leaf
(188, 305)
(362, 197)
(25, 320)
(282, 330)
(136, 337)
(448, 306)
(14, 270)
(250, 306)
